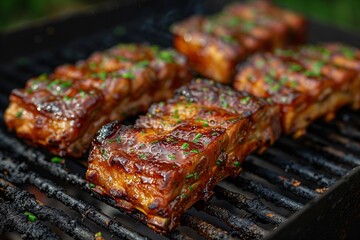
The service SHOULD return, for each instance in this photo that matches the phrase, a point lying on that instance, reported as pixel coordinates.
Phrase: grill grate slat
(310, 156)
(292, 185)
(205, 229)
(84, 209)
(13, 220)
(253, 206)
(247, 229)
(269, 194)
(301, 170)
(26, 202)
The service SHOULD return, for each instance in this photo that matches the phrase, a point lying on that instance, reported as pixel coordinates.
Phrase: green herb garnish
(245, 100)
(171, 156)
(91, 185)
(349, 53)
(128, 75)
(31, 217)
(166, 56)
(197, 136)
(185, 146)
(190, 175)
(143, 63)
(19, 113)
(56, 160)
(195, 151)
(237, 164)
(295, 67)
(143, 156)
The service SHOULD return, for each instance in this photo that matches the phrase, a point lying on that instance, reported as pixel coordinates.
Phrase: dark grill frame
(280, 189)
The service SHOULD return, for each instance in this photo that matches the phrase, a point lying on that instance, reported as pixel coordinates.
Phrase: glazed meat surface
(308, 82)
(215, 44)
(173, 156)
(63, 111)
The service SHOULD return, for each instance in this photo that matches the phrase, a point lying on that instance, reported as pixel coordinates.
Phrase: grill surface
(290, 191)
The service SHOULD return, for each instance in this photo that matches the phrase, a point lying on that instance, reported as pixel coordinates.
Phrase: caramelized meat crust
(307, 82)
(63, 111)
(173, 156)
(215, 44)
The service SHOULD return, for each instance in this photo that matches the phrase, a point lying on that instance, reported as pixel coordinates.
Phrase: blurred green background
(15, 13)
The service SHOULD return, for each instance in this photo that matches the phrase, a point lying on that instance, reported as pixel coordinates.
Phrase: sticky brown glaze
(173, 156)
(307, 82)
(62, 111)
(215, 44)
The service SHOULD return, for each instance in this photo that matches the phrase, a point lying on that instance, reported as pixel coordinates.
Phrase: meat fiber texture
(175, 154)
(63, 111)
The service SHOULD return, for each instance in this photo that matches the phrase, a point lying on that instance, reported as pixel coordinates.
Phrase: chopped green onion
(185, 146)
(197, 136)
(218, 162)
(237, 164)
(195, 151)
(66, 84)
(189, 175)
(228, 39)
(295, 67)
(166, 56)
(171, 156)
(98, 234)
(245, 100)
(143, 156)
(196, 176)
(31, 217)
(67, 98)
(143, 63)
(91, 185)
(104, 154)
(128, 75)
(349, 53)
(19, 113)
(56, 160)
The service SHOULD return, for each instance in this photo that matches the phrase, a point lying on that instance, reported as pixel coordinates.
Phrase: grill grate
(271, 189)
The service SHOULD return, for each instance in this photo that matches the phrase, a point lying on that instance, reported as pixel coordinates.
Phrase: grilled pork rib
(215, 44)
(64, 110)
(173, 156)
(309, 82)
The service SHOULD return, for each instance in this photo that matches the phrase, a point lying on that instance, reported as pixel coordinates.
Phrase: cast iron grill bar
(299, 169)
(246, 228)
(336, 152)
(350, 118)
(294, 186)
(25, 201)
(308, 155)
(336, 138)
(205, 229)
(268, 194)
(54, 191)
(253, 206)
(346, 129)
(176, 234)
(11, 220)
